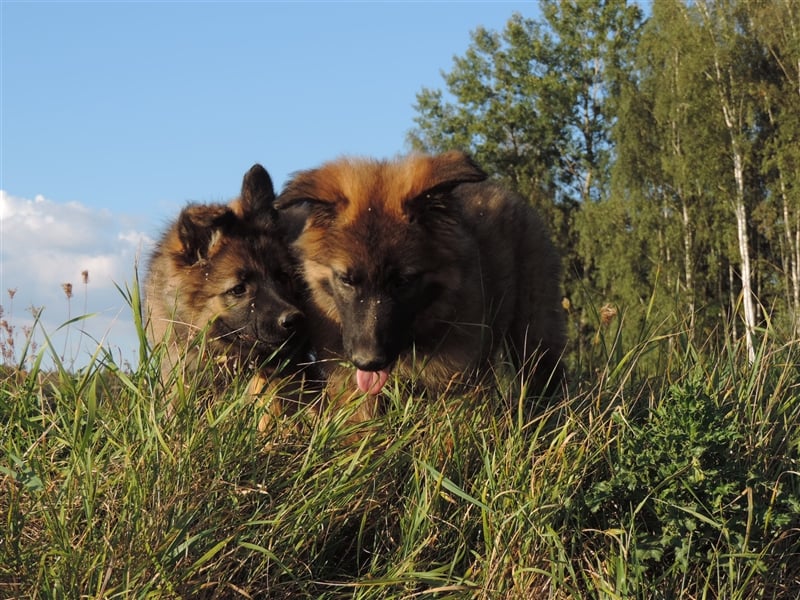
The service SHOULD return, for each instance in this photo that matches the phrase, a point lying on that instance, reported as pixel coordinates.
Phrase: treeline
(663, 148)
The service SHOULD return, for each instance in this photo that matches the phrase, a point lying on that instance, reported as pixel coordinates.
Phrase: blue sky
(115, 114)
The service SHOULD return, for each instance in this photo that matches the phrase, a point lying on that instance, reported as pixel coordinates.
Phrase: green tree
(669, 160)
(727, 32)
(535, 105)
(665, 156)
(706, 157)
(777, 27)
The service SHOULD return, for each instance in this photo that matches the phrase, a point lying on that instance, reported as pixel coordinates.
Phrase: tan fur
(481, 254)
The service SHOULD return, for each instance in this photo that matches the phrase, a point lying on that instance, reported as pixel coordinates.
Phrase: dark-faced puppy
(224, 271)
(420, 267)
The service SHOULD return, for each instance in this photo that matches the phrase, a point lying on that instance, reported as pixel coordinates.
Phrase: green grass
(670, 470)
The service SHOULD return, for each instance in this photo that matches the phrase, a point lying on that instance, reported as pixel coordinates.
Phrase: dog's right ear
(200, 229)
(258, 196)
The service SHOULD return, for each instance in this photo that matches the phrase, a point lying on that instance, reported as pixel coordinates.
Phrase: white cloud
(44, 244)
(136, 239)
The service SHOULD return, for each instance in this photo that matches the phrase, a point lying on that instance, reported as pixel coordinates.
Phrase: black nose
(369, 362)
(290, 320)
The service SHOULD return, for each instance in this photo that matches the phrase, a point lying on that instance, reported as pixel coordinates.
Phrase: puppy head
(235, 270)
(382, 241)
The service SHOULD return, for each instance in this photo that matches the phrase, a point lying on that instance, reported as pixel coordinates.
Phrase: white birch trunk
(733, 125)
(793, 254)
(687, 260)
(748, 303)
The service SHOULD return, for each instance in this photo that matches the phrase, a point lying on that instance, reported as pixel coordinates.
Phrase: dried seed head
(607, 314)
(85, 277)
(67, 287)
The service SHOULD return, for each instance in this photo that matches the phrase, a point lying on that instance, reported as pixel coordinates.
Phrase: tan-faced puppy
(420, 267)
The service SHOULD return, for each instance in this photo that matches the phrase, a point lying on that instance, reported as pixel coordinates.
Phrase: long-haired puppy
(220, 291)
(420, 267)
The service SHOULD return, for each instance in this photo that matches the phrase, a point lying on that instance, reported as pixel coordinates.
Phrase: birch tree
(727, 35)
(777, 25)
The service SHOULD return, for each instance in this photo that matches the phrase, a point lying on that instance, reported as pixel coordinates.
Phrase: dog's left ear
(257, 199)
(453, 168)
(445, 172)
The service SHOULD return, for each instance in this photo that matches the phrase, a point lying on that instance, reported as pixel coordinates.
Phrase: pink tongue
(371, 382)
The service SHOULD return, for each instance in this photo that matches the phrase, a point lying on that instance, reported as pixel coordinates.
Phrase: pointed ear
(452, 168)
(307, 196)
(445, 172)
(258, 195)
(200, 228)
(305, 187)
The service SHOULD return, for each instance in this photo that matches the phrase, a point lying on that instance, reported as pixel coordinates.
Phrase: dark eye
(238, 290)
(404, 280)
(346, 279)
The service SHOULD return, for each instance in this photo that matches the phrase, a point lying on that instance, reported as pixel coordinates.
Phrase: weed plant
(668, 470)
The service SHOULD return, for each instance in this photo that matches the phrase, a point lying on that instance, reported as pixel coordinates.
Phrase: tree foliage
(663, 151)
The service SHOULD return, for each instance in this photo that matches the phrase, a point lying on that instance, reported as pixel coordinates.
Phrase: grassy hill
(670, 470)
